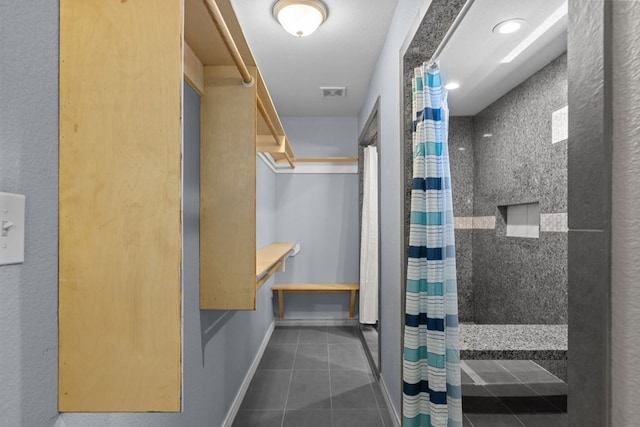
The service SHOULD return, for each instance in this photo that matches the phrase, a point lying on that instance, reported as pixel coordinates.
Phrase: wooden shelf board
(271, 255)
(326, 159)
(202, 35)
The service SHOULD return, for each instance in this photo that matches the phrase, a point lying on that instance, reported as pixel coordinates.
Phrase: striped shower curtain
(431, 374)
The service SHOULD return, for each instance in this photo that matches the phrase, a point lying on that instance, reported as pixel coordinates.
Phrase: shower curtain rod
(452, 29)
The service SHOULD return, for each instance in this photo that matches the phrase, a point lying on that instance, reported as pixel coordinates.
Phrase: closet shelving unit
(122, 65)
(238, 120)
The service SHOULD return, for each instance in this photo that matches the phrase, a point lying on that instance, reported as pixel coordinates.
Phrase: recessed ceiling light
(535, 34)
(452, 86)
(509, 26)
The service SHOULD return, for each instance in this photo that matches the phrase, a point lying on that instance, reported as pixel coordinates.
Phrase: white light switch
(11, 228)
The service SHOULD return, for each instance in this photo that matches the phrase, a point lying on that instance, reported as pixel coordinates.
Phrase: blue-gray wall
(320, 212)
(322, 136)
(29, 165)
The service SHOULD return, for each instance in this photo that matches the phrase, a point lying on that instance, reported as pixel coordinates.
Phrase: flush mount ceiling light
(452, 86)
(509, 26)
(300, 17)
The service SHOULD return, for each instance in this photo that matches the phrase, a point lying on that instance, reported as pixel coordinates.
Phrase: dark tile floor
(319, 377)
(313, 377)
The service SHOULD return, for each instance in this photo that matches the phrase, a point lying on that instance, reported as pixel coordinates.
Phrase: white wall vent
(330, 92)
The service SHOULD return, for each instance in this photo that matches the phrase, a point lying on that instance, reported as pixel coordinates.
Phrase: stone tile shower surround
(510, 280)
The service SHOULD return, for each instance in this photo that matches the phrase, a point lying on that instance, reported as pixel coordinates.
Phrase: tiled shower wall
(521, 280)
(510, 279)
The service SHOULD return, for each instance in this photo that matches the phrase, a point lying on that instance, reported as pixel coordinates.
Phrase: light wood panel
(269, 255)
(193, 70)
(120, 205)
(281, 288)
(204, 38)
(227, 191)
(326, 159)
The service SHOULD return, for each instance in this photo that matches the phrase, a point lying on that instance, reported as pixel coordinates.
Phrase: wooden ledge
(270, 259)
(281, 288)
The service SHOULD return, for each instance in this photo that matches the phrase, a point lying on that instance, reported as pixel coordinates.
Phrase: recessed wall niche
(521, 220)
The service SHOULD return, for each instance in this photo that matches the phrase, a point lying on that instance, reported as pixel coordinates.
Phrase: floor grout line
(477, 379)
(330, 386)
(286, 400)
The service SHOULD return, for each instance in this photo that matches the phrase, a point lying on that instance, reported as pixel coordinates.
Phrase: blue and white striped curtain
(431, 375)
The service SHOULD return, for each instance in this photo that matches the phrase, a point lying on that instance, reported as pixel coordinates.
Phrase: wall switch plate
(11, 228)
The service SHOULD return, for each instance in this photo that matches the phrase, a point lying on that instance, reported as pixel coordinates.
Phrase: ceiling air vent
(332, 92)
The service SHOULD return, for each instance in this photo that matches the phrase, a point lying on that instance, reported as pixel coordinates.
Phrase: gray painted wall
(625, 226)
(320, 212)
(521, 280)
(218, 346)
(322, 136)
(29, 165)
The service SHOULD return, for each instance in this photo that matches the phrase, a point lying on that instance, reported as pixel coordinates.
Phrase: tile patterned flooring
(512, 393)
(313, 377)
(319, 377)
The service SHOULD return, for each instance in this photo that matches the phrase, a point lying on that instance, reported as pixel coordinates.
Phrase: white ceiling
(472, 56)
(344, 51)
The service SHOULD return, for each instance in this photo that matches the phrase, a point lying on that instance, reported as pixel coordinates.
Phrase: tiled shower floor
(506, 393)
(319, 377)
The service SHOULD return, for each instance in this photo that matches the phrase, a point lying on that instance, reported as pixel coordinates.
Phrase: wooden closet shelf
(270, 255)
(213, 38)
(324, 160)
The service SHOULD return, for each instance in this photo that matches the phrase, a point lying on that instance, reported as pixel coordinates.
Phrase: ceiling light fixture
(452, 86)
(509, 26)
(535, 34)
(300, 17)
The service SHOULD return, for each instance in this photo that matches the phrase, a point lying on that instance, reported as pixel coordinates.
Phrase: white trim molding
(235, 406)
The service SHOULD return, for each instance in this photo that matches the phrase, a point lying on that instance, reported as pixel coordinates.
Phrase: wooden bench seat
(281, 288)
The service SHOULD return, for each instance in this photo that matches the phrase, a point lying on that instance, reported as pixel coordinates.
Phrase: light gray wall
(320, 212)
(625, 223)
(385, 83)
(265, 205)
(218, 346)
(322, 136)
(29, 165)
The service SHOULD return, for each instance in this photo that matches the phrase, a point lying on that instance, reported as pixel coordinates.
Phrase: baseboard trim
(395, 417)
(316, 322)
(235, 406)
